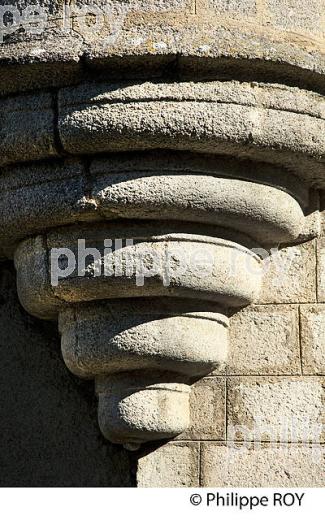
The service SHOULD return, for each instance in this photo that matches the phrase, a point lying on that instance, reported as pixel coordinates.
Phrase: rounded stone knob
(135, 408)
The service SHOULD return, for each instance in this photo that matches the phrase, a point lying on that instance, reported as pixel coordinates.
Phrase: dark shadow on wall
(49, 434)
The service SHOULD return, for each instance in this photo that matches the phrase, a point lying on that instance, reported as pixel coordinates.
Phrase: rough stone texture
(265, 340)
(263, 466)
(129, 166)
(195, 117)
(175, 187)
(174, 465)
(145, 40)
(211, 193)
(49, 434)
(313, 339)
(290, 275)
(321, 269)
(287, 409)
(34, 267)
(246, 7)
(184, 336)
(231, 276)
(26, 128)
(208, 410)
(38, 196)
(137, 408)
(289, 14)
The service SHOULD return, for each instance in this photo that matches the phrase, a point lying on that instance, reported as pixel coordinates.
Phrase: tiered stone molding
(220, 170)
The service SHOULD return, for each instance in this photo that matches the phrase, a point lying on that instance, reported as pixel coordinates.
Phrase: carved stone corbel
(217, 170)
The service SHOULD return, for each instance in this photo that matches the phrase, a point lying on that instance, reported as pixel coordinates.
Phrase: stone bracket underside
(223, 169)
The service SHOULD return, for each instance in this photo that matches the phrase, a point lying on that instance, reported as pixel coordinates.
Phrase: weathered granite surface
(180, 130)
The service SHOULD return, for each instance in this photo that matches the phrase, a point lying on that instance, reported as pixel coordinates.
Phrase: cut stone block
(173, 465)
(265, 466)
(290, 275)
(313, 339)
(264, 340)
(286, 409)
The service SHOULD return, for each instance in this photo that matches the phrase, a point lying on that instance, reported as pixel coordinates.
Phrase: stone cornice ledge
(185, 38)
